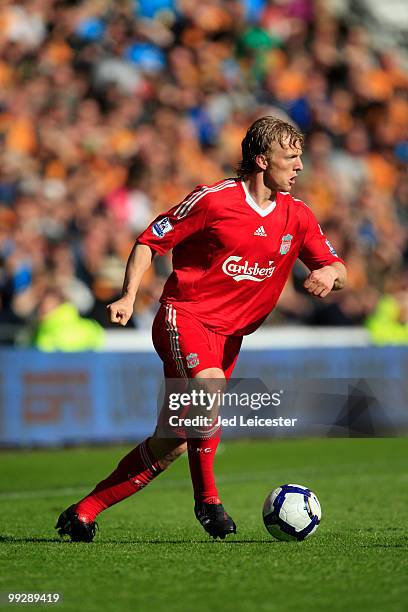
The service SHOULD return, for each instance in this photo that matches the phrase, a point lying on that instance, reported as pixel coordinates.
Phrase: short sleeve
(316, 250)
(179, 223)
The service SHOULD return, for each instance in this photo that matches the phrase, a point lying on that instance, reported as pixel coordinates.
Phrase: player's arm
(139, 261)
(164, 233)
(327, 270)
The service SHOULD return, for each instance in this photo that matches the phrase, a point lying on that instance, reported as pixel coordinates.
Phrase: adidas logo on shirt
(260, 231)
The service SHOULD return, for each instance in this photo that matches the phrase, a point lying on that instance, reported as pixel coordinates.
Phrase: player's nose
(298, 165)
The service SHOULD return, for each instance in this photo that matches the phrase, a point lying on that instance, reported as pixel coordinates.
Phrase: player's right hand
(120, 311)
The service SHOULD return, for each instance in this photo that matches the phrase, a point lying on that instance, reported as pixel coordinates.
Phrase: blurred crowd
(111, 111)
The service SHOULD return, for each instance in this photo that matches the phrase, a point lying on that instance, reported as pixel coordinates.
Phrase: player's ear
(261, 161)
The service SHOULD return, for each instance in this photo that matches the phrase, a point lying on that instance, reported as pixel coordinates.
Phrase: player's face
(282, 166)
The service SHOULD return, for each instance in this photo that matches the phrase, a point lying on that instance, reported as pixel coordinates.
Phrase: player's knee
(211, 380)
(210, 373)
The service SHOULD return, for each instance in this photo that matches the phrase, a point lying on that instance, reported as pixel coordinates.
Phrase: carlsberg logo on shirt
(245, 271)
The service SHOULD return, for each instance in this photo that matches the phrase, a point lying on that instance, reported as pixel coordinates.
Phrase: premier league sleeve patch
(160, 228)
(331, 248)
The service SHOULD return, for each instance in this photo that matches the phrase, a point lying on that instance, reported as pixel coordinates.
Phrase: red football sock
(134, 472)
(201, 454)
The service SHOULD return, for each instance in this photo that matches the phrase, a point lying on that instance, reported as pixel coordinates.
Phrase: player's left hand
(320, 282)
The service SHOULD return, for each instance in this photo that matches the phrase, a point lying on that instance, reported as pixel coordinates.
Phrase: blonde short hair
(261, 136)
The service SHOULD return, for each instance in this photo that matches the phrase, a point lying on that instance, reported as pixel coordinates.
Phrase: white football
(291, 512)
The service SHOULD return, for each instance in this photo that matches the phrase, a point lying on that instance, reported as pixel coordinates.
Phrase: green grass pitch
(151, 554)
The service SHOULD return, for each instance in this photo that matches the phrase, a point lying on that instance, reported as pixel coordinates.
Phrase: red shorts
(186, 347)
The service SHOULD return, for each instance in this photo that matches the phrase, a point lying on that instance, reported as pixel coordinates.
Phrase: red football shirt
(231, 258)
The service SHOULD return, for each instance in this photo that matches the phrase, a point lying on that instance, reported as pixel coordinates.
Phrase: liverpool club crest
(285, 244)
(192, 360)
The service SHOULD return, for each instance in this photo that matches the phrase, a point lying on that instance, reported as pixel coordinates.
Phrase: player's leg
(134, 472)
(202, 449)
(203, 441)
(202, 446)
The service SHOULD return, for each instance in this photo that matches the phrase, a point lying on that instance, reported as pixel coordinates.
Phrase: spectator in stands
(61, 328)
(388, 324)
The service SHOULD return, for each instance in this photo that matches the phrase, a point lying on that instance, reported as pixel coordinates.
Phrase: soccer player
(234, 244)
